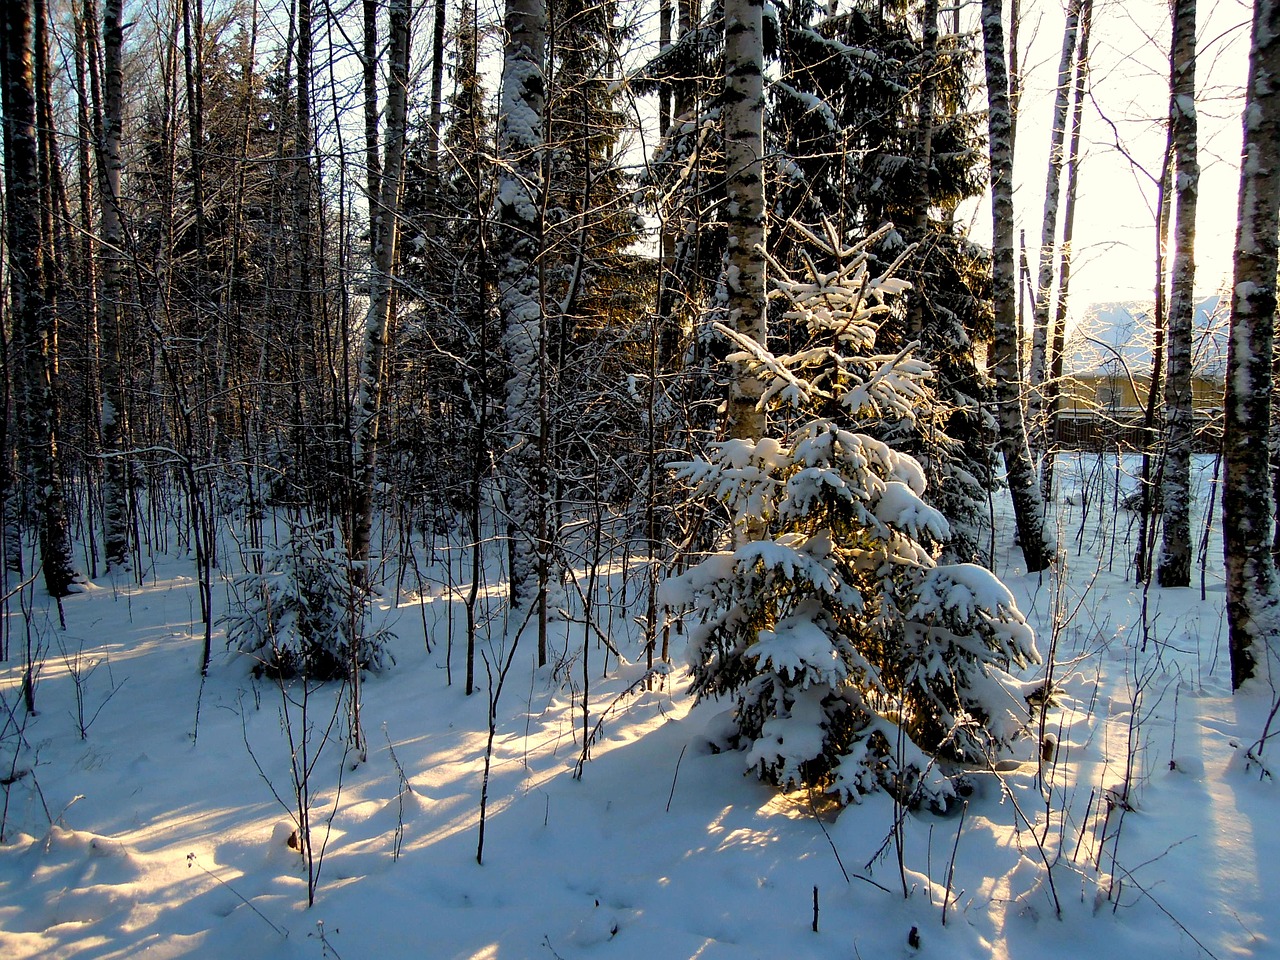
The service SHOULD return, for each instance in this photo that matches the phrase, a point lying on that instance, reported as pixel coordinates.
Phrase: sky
(1123, 140)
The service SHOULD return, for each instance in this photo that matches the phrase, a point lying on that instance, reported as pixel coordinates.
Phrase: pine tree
(871, 113)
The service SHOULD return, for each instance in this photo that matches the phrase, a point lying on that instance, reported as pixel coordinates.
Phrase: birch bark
(384, 215)
(744, 285)
(518, 213)
(1175, 555)
(1037, 547)
(1253, 621)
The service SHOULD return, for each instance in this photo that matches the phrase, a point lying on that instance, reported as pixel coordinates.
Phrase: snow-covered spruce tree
(302, 613)
(855, 660)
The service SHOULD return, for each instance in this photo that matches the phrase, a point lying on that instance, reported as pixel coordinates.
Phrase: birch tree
(744, 284)
(1037, 547)
(384, 215)
(517, 210)
(1175, 556)
(32, 322)
(1041, 333)
(109, 121)
(1057, 343)
(1252, 600)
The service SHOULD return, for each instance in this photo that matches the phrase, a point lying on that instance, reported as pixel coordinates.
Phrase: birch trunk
(372, 161)
(115, 487)
(1053, 386)
(27, 253)
(518, 212)
(744, 285)
(1037, 547)
(1175, 555)
(1252, 601)
(384, 226)
(1049, 230)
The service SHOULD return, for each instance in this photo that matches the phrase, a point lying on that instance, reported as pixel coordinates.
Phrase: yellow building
(1107, 373)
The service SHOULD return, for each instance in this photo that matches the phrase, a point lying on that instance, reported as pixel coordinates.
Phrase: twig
(951, 867)
(191, 861)
(672, 794)
(840, 863)
(1159, 906)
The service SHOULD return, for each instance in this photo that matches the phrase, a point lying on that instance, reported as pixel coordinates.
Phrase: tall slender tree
(1038, 547)
(1253, 595)
(384, 219)
(1174, 568)
(744, 284)
(1041, 333)
(32, 320)
(1057, 343)
(518, 212)
(111, 319)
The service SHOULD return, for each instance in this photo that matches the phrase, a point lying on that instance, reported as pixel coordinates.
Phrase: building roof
(1114, 339)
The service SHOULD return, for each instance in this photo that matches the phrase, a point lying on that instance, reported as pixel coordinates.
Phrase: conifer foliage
(854, 659)
(304, 614)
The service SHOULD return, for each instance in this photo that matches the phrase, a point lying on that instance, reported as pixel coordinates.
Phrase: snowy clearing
(1133, 825)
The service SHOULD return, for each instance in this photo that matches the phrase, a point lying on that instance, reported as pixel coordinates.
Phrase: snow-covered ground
(1142, 833)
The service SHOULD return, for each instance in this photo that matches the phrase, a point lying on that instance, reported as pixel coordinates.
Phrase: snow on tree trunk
(115, 491)
(32, 327)
(744, 292)
(384, 225)
(1175, 555)
(1038, 546)
(517, 210)
(1252, 601)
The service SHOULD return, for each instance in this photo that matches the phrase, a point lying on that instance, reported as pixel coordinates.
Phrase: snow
(159, 845)
(901, 507)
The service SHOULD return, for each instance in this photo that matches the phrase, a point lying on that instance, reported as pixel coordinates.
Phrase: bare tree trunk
(1015, 72)
(518, 212)
(922, 197)
(115, 487)
(1038, 547)
(385, 226)
(87, 278)
(27, 254)
(1175, 555)
(304, 179)
(193, 61)
(1049, 230)
(1053, 387)
(1252, 598)
(373, 163)
(437, 94)
(744, 293)
(1155, 389)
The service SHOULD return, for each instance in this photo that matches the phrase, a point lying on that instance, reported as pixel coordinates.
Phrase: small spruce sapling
(855, 660)
(297, 616)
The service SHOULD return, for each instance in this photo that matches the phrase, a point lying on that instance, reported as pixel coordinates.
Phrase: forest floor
(163, 833)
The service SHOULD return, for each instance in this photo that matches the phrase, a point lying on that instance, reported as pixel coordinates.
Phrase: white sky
(1114, 228)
